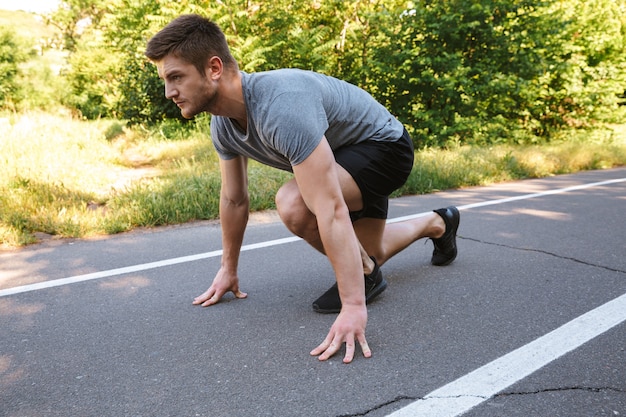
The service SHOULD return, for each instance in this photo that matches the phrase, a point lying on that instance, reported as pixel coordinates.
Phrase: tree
(72, 17)
(478, 71)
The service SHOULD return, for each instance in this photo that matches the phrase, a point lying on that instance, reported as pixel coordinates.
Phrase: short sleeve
(294, 124)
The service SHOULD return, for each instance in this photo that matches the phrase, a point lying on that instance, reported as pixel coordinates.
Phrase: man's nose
(170, 92)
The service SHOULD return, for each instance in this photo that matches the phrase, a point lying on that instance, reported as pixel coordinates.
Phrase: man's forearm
(233, 218)
(342, 248)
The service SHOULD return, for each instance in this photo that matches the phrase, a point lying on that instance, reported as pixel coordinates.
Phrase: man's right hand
(222, 283)
(349, 327)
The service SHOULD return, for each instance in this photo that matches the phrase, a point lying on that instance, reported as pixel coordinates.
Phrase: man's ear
(214, 68)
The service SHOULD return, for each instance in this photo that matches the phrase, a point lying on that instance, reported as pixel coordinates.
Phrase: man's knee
(287, 198)
(288, 202)
(293, 211)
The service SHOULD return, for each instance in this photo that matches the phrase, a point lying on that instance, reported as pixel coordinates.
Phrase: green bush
(483, 71)
(92, 78)
(142, 95)
(11, 56)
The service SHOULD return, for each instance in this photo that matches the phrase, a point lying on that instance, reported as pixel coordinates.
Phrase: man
(347, 154)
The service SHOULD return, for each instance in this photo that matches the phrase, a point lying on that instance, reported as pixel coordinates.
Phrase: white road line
(478, 386)
(135, 268)
(190, 258)
(516, 198)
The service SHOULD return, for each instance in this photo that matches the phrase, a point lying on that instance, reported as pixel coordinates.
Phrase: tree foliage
(456, 70)
(11, 56)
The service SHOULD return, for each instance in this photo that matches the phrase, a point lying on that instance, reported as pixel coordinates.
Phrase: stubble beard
(208, 104)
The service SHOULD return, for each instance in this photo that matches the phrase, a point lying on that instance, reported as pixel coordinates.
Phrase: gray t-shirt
(289, 111)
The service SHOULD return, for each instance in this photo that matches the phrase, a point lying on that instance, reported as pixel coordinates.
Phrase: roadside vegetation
(491, 91)
(65, 177)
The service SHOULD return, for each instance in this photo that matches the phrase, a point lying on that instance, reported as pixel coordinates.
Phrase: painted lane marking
(136, 268)
(516, 198)
(480, 385)
(173, 261)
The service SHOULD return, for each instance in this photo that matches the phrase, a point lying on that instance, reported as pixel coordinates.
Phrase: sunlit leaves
(480, 70)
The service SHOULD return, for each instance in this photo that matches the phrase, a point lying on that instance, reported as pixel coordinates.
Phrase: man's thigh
(350, 189)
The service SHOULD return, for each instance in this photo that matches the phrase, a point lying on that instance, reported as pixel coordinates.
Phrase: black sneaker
(330, 302)
(445, 246)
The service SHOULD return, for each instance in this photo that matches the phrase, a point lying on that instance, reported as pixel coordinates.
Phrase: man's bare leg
(376, 238)
(396, 236)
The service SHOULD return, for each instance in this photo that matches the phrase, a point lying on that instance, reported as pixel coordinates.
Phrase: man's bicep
(317, 179)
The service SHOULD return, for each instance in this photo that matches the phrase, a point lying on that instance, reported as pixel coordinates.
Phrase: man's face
(192, 92)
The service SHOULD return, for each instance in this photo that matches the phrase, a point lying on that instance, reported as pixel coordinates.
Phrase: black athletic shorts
(378, 168)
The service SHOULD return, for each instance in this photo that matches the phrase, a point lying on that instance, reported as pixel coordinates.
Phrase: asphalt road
(530, 320)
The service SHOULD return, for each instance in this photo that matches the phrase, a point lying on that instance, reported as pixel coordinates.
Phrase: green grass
(66, 177)
(463, 166)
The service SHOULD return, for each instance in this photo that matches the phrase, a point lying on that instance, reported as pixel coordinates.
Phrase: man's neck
(231, 103)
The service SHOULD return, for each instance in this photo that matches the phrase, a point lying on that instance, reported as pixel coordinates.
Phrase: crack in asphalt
(503, 394)
(541, 391)
(379, 406)
(556, 255)
(513, 393)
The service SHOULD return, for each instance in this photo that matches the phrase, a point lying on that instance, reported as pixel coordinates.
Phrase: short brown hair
(192, 38)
